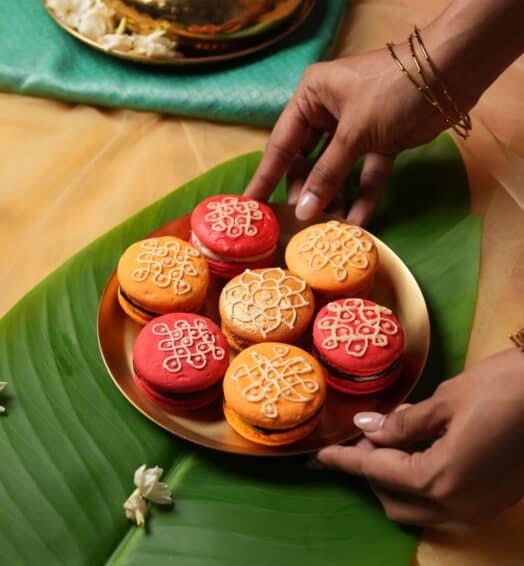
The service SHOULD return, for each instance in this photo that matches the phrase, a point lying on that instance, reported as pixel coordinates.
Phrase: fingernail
(369, 422)
(308, 206)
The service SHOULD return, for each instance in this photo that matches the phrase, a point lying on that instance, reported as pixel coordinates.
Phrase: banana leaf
(70, 442)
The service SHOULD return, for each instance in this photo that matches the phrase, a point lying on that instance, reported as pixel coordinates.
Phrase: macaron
(161, 275)
(334, 258)
(234, 233)
(265, 305)
(274, 393)
(360, 343)
(179, 360)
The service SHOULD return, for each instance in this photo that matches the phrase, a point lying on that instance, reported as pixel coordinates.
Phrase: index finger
(283, 145)
(392, 469)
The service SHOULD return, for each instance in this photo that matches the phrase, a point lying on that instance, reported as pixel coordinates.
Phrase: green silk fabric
(38, 58)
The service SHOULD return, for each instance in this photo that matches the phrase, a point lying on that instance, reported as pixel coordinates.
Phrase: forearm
(473, 41)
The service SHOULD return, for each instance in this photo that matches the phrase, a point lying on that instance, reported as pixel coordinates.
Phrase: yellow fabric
(68, 173)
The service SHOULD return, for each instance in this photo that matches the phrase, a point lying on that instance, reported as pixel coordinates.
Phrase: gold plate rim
(416, 353)
(296, 21)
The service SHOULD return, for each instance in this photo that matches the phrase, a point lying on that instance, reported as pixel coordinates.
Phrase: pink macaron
(180, 359)
(234, 233)
(360, 343)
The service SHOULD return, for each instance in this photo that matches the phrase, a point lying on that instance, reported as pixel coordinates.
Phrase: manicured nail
(308, 206)
(369, 422)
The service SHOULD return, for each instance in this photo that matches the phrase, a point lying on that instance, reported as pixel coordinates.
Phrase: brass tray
(198, 58)
(395, 287)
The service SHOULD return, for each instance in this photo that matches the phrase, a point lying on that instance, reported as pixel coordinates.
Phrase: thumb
(407, 426)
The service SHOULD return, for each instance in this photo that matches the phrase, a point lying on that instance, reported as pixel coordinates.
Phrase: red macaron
(360, 343)
(234, 233)
(180, 359)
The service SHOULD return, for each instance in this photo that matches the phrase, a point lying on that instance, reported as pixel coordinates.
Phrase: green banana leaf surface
(70, 442)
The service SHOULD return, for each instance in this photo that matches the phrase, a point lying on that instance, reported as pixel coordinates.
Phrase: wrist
(472, 42)
(431, 85)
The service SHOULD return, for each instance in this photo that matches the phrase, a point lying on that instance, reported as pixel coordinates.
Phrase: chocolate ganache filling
(269, 431)
(356, 378)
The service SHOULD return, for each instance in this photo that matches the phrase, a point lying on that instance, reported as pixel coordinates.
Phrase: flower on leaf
(136, 508)
(148, 487)
(2, 386)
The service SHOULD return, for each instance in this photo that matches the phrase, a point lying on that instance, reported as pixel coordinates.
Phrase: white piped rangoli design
(167, 264)
(234, 217)
(191, 344)
(337, 245)
(278, 377)
(356, 325)
(265, 300)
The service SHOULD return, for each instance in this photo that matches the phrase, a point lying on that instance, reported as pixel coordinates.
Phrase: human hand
(369, 108)
(474, 468)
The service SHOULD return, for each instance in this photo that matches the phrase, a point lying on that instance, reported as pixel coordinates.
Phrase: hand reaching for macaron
(345, 98)
(370, 108)
(475, 466)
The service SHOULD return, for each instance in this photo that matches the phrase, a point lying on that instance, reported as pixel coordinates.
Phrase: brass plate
(267, 21)
(196, 60)
(395, 287)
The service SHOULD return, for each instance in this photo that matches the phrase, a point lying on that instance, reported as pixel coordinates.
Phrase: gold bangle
(461, 124)
(420, 88)
(465, 117)
(518, 339)
(424, 89)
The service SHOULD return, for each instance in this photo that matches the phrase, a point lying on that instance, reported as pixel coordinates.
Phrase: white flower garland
(94, 20)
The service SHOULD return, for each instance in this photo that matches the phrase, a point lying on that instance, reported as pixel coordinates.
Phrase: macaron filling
(270, 431)
(213, 255)
(173, 396)
(137, 306)
(234, 340)
(357, 378)
(239, 343)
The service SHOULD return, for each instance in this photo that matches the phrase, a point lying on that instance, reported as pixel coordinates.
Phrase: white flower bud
(136, 509)
(149, 486)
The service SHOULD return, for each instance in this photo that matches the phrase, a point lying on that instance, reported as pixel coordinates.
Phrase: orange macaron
(334, 258)
(274, 393)
(159, 276)
(265, 305)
